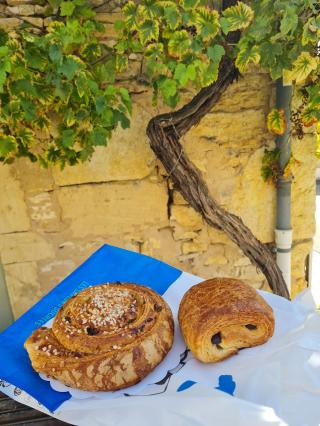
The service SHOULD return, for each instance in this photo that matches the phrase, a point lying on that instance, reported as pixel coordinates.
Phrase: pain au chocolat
(106, 337)
(222, 315)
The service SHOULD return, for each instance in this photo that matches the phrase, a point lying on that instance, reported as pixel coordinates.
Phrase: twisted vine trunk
(164, 132)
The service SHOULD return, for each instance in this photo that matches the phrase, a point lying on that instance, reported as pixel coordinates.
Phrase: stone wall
(51, 220)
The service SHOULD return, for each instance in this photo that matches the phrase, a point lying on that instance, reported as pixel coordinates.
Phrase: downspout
(283, 231)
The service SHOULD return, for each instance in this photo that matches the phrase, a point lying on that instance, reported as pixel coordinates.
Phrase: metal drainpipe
(283, 231)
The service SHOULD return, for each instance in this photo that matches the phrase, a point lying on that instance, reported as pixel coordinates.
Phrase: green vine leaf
(238, 16)
(125, 97)
(207, 23)
(172, 16)
(67, 8)
(55, 53)
(302, 67)
(130, 10)
(148, 31)
(311, 31)
(309, 117)
(167, 87)
(67, 138)
(69, 67)
(68, 73)
(184, 73)
(289, 21)
(179, 44)
(270, 165)
(276, 121)
(216, 52)
(190, 4)
(3, 77)
(247, 55)
(7, 145)
(181, 74)
(4, 50)
(99, 137)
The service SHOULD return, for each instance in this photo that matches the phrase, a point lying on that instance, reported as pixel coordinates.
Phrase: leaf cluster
(57, 104)
(68, 76)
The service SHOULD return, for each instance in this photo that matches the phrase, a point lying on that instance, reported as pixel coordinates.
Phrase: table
(14, 413)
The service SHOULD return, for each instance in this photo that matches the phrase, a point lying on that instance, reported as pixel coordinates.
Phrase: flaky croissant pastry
(222, 315)
(106, 337)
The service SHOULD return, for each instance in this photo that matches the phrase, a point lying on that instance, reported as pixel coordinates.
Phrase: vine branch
(165, 131)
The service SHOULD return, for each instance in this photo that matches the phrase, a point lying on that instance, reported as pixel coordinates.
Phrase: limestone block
(96, 3)
(258, 285)
(180, 233)
(10, 23)
(70, 254)
(242, 261)
(303, 188)
(232, 252)
(249, 273)
(37, 22)
(109, 19)
(215, 260)
(19, 2)
(217, 236)
(193, 246)
(215, 255)
(52, 272)
(221, 174)
(178, 198)
(110, 31)
(297, 286)
(236, 184)
(23, 286)
(41, 10)
(112, 17)
(300, 251)
(250, 92)
(159, 243)
(187, 217)
(210, 264)
(254, 200)
(48, 20)
(44, 211)
(133, 71)
(24, 247)
(13, 209)
(113, 209)
(21, 10)
(241, 129)
(128, 156)
(265, 286)
(34, 30)
(109, 42)
(33, 178)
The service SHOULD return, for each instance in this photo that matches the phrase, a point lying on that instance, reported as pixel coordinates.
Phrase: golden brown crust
(219, 316)
(107, 337)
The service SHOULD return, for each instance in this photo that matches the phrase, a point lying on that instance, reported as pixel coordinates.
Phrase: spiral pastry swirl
(106, 337)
